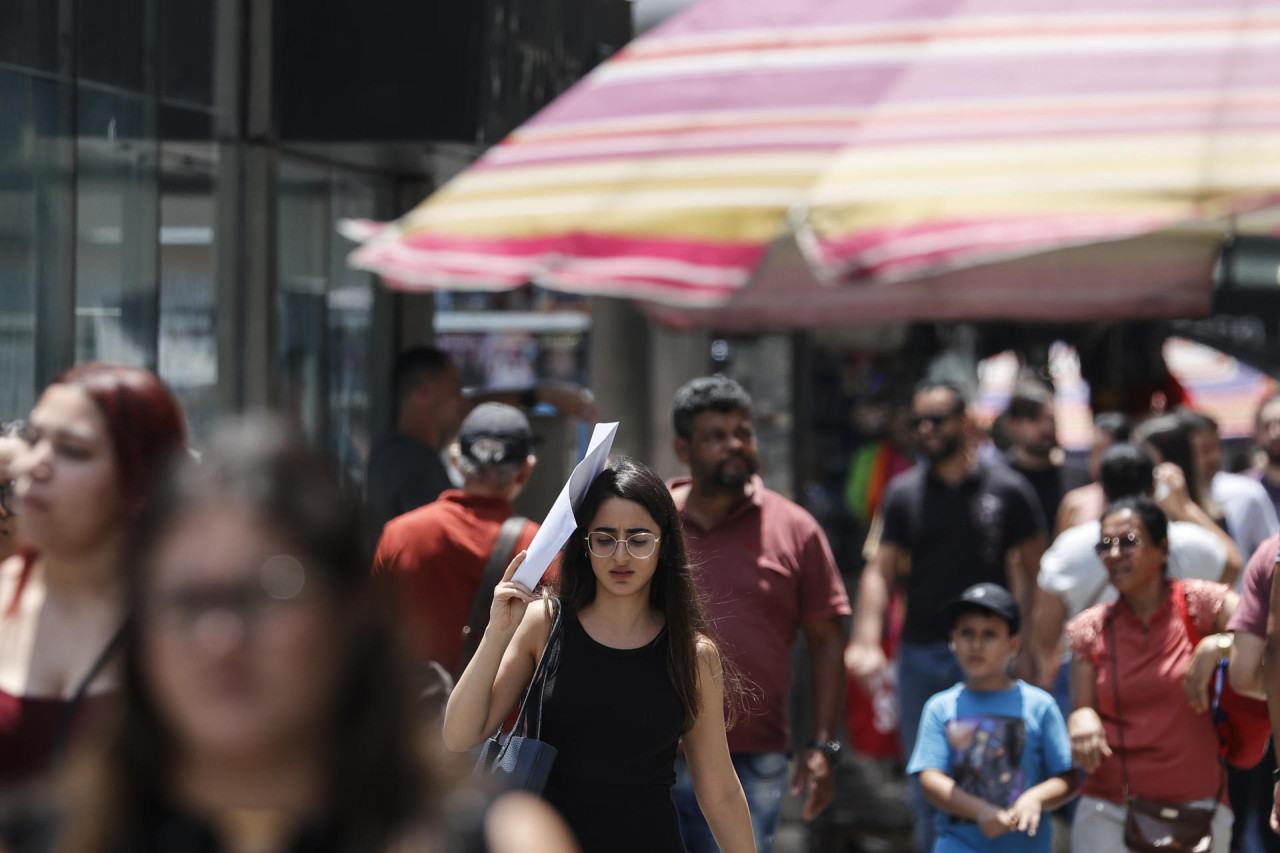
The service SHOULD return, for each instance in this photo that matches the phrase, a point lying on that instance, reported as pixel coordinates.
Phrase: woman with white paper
(638, 674)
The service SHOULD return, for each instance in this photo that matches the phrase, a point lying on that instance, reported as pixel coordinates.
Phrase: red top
(437, 555)
(764, 571)
(28, 726)
(1171, 751)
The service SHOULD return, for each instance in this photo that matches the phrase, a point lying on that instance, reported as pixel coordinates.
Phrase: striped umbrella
(893, 139)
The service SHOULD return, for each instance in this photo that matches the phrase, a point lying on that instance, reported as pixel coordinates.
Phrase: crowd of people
(207, 652)
(1108, 704)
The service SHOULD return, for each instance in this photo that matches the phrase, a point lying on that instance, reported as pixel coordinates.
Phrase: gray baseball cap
(495, 433)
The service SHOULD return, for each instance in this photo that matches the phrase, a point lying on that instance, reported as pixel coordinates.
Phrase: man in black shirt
(957, 520)
(1030, 421)
(405, 467)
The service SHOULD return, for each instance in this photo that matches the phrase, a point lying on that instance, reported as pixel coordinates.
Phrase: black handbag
(519, 760)
(1151, 826)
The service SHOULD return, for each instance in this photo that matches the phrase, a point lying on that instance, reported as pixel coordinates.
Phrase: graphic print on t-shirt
(986, 756)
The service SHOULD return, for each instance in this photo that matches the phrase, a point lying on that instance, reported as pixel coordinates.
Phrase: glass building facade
(143, 220)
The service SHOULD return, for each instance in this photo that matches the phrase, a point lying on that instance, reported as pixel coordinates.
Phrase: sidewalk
(870, 814)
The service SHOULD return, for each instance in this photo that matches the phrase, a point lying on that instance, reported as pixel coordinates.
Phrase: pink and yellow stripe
(895, 138)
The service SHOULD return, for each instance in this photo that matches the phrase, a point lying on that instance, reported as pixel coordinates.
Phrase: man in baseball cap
(437, 554)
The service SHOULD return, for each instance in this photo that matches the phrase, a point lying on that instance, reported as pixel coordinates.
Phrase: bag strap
(549, 660)
(1115, 686)
(499, 558)
(62, 734)
(1184, 612)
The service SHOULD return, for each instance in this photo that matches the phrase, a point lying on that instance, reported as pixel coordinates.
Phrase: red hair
(144, 421)
(146, 426)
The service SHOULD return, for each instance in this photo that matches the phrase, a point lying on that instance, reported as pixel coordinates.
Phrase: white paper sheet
(560, 523)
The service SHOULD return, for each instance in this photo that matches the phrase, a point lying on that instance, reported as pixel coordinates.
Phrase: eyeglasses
(1127, 544)
(8, 499)
(934, 421)
(280, 585)
(639, 545)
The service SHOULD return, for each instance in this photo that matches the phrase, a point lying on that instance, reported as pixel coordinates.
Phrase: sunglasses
(1127, 544)
(934, 421)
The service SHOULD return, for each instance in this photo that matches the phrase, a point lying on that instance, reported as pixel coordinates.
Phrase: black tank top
(615, 718)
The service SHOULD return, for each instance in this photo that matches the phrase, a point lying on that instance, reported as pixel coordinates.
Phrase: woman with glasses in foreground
(1142, 724)
(638, 674)
(264, 707)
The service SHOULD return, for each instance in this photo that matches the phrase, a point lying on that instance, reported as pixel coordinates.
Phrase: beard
(947, 447)
(1041, 449)
(728, 476)
(1273, 456)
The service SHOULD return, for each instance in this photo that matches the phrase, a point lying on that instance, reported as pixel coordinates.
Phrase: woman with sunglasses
(96, 439)
(1140, 674)
(638, 674)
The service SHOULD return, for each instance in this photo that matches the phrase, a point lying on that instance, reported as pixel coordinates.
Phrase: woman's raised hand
(1171, 488)
(1088, 739)
(510, 600)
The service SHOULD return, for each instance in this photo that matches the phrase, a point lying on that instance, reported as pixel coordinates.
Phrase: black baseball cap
(495, 433)
(990, 597)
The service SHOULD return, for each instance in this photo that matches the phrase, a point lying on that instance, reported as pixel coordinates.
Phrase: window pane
(350, 326)
(29, 33)
(29, 172)
(188, 347)
(186, 50)
(116, 232)
(110, 43)
(304, 228)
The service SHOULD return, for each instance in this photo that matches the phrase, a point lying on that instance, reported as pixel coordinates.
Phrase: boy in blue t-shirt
(993, 752)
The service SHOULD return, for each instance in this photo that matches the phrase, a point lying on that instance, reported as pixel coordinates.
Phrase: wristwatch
(831, 750)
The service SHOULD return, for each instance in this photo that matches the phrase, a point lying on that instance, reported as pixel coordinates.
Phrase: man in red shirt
(766, 573)
(436, 554)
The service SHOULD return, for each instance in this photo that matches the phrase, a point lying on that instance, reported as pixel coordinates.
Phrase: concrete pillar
(618, 372)
(676, 357)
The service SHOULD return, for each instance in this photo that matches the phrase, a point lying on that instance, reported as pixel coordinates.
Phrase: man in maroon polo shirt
(766, 573)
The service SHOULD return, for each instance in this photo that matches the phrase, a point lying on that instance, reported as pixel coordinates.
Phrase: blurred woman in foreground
(96, 439)
(263, 704)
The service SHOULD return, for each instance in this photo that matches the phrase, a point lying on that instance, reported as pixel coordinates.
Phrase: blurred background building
(171, 172)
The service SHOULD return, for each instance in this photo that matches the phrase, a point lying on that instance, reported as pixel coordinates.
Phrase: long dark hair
(375, 784)
(672, 591)
(1171, 436)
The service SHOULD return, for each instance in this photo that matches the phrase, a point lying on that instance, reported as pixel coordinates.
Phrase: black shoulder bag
(499, 559)
(521, 761)
(1151, 826)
